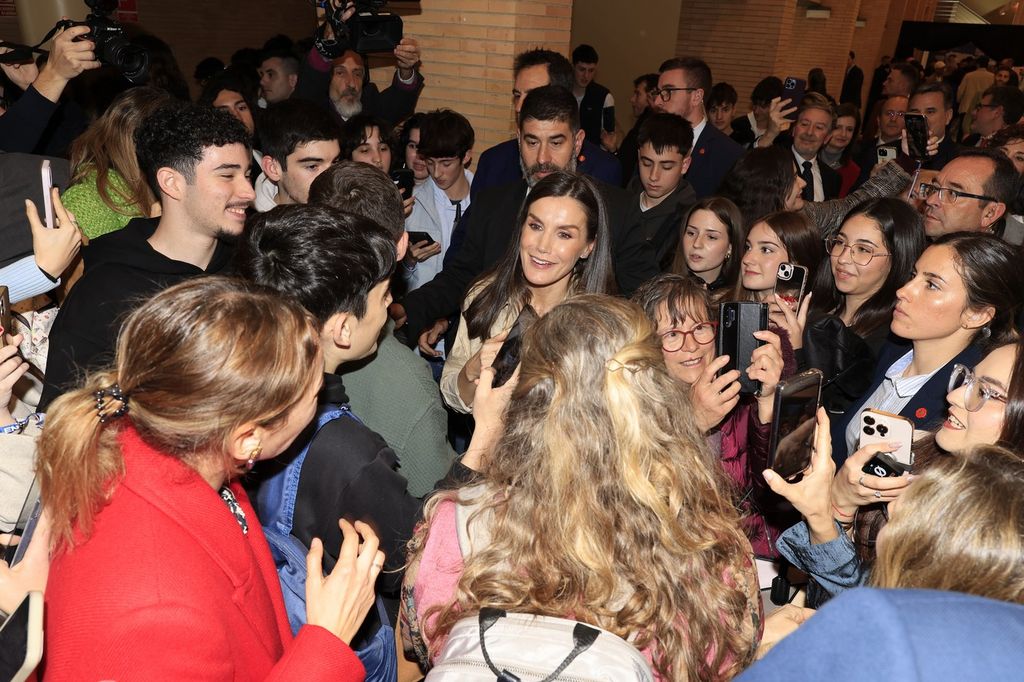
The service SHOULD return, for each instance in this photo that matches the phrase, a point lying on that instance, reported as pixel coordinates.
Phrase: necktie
(457, 203)
(808, 193)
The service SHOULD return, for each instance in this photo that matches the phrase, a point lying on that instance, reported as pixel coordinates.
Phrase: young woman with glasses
(963, 297)
(736, 428)
(871, 256)
(836, 543)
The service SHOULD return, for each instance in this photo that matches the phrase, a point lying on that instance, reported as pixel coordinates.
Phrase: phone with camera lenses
(737, 322)
(404, 180)
(790, 284)
(793, 89)
(877, 426)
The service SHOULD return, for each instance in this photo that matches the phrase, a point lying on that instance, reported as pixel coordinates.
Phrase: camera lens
(883, 430)
(132, 61)
(868, 419)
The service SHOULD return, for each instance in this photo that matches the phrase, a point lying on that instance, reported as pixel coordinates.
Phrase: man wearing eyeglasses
(1000, 106)
(682, 84)
(890, 128)
(969, 194)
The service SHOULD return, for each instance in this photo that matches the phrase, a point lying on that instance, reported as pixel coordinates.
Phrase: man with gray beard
(343, 87)
(549, 139)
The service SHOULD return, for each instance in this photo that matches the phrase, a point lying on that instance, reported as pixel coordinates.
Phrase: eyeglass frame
(833, 240)
(925, 189)
(971, 379)
(692, 332)
(658, 92)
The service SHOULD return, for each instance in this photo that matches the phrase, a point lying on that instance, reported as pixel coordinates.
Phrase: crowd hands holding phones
(626, 319)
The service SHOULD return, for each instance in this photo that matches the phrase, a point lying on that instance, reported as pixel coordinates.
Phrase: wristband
(19, 424)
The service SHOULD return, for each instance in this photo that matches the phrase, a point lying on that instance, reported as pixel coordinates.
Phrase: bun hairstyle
(598, 430)
(189, 377)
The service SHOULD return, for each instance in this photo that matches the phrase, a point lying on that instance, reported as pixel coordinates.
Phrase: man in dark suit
(550, 139)
(597, 106)
(935, 102)
(1000, 106)
(682, 85)
(853, 82)
(499, 165)
(814, 123)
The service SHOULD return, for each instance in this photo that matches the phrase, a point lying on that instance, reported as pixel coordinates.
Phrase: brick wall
(468, 47)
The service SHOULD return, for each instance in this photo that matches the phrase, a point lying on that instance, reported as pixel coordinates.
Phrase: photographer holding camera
(336, 76)
(23, 126)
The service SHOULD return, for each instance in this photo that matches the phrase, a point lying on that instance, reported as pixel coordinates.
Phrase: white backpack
(513, 647)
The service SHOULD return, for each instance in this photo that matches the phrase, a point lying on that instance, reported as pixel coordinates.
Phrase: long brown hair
(186, 360)
(109, 144)
(800, 238)
(606, 504)
(959, 528)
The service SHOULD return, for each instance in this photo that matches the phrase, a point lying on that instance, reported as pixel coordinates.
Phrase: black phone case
(806, 384)
(507, 358)
(404, 180)
(917, 135)
(417, 237)
(737, 322)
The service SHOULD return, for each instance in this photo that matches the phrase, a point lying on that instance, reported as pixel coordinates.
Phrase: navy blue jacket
(926, 409)
(866, 635)
(713, 156)
(499, 165)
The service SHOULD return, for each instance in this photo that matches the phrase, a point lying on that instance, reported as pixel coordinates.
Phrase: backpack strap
(283, 487)
(583, 637)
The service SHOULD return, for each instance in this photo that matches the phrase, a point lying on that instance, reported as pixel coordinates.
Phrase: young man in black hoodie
(196, 160)
(662, 193)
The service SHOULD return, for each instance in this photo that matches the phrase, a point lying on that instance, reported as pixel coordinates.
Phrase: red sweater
(168, 588)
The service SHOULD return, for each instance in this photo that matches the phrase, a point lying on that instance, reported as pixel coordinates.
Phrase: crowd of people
(313, 390)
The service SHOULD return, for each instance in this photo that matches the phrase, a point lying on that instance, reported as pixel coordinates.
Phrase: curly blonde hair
(606, 506)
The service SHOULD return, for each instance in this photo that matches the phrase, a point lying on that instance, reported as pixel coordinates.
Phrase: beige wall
(631, 39)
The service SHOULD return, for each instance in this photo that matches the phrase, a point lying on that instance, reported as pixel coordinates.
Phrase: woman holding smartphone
(985, 407)
(562, 247)
(737, 427)
(783, 237)
(964, 296)
(710, 244)
(160, 568)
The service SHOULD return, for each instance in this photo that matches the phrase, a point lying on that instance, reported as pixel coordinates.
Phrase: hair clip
(115, 393)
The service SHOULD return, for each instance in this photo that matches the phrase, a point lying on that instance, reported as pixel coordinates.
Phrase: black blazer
(927, 408)
(831, 181)
(713, 156)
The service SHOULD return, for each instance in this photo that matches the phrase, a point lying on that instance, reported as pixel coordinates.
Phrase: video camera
(112, 47)
(371, 29)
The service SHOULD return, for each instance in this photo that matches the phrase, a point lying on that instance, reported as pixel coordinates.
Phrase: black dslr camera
(112, 47)
(371, 29)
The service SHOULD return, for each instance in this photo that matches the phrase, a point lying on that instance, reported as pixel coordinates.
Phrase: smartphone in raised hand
(46, 175)
(791, 284)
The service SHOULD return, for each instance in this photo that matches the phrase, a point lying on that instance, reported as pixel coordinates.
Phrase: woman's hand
(55, 248)
(31, 572)
(780, 625)
(852, 488)
(339, 601)
(812, 494)
(793, 321)
(715, 397)
(12, 368)
(778, 123)
(489, 405)
(766, 366)
(469, 375)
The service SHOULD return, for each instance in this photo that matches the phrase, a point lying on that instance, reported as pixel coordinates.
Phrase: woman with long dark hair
(962, 299)
(710, 244)
(562, 247)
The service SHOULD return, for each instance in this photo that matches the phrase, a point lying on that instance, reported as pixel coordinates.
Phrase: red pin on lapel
(921, 413)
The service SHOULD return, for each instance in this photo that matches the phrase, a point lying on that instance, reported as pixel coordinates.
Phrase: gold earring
(253, 456)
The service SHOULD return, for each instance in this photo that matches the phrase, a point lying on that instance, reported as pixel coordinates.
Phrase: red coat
(168, 588)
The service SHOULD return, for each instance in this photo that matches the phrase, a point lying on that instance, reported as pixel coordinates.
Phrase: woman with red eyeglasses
(736, 426)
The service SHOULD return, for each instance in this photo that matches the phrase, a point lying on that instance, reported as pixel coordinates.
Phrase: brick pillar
(468, 47)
